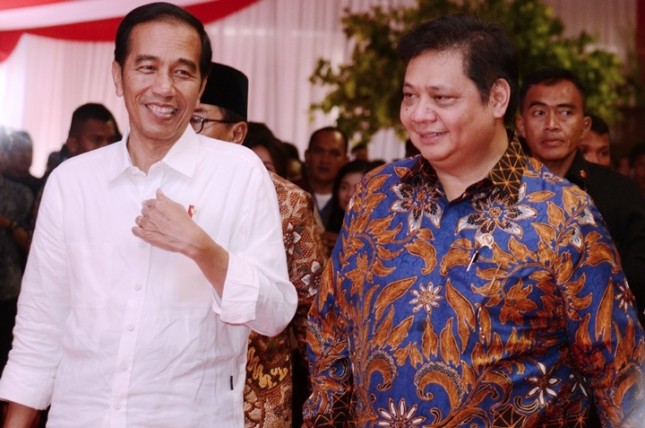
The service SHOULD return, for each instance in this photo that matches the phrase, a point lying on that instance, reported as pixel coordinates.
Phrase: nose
(163, 83)
(422, 111)
(592, 157)
(552, 120)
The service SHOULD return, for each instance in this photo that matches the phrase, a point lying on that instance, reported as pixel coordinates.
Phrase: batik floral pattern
(505, 307)
(269, 379)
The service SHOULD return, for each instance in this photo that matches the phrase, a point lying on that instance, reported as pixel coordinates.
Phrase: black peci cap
(227, 87)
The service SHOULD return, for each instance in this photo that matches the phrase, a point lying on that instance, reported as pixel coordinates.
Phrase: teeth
(431, 134)
(161, 110)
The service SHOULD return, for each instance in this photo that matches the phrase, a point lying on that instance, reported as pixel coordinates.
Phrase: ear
(116, 76)
(519, 125)
(500, 95)
(586, 126)
(72, 145)
(239, 132)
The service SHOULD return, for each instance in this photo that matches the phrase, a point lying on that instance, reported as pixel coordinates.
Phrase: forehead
(213, 112)
(327, 139)
(553, 94)
(352, 177)
(93, 125)
(595, 140)
(165, 38)
(436, 68)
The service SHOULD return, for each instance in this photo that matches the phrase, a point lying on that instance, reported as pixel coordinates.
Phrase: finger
(162, 196)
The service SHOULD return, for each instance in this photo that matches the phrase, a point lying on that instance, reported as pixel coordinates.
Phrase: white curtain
(275, 42)
(611, 22)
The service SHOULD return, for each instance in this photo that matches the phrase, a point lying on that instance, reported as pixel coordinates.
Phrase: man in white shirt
(152, 260)
(325, 155)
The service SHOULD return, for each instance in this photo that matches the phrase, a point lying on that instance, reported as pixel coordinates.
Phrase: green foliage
(366, 92)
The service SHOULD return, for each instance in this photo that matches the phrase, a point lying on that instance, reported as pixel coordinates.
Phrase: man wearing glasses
(276, 376)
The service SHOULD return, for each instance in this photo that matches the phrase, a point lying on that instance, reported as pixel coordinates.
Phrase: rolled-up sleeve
(28, 377)
(257, 290)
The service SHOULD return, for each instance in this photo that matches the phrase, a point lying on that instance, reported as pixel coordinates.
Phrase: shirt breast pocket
(90, 274)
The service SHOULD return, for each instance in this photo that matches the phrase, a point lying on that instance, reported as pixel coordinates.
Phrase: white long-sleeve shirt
(115, 332)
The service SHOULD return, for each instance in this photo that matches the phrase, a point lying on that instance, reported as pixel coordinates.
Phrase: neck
(145, 154)
(321, 188)
(457, 179)
(561, 166)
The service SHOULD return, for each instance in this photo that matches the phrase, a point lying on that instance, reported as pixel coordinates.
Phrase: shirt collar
(507, 172)
(181, 156)
(506, 175)
(578, 172)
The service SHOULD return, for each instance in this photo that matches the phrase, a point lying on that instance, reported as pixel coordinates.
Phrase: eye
(183, 73)
(146, 68)
(409, 97)
(443, 99)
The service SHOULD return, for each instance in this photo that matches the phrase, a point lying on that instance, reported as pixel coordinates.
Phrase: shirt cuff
(238, 303)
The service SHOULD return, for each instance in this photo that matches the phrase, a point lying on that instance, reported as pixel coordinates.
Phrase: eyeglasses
(197, 122)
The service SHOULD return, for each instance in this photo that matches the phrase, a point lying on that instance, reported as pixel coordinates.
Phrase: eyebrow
(185, 62)
(425, 88)
(141, 58)
(188, 63)
(543, 104)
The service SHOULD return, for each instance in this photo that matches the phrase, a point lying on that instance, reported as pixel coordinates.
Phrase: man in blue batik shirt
(471, 287)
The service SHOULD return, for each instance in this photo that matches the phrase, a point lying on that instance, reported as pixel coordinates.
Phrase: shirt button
(117, 406)
(131, 327)
(124, 366)
(143, 244)
(137, 287)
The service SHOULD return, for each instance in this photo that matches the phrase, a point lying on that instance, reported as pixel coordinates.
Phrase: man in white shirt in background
(326, 153)
(152, 260)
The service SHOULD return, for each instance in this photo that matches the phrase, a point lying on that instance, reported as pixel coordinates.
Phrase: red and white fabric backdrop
(56, 55)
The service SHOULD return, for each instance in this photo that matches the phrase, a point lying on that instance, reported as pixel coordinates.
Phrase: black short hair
(635, 153)
(487, 51)
(158, 12)
(551, 76)
(89, 111)
(359, 146)
(291, 150)
(259, 134)
(319, 131)
(598, 125)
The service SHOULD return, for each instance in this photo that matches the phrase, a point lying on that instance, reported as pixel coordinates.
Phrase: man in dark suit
(552, 120)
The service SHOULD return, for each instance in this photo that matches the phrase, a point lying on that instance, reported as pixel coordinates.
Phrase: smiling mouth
(431, 135)
(161, 111)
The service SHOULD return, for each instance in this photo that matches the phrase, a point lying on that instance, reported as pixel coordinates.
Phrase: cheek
(404, 114)
(343, 201)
